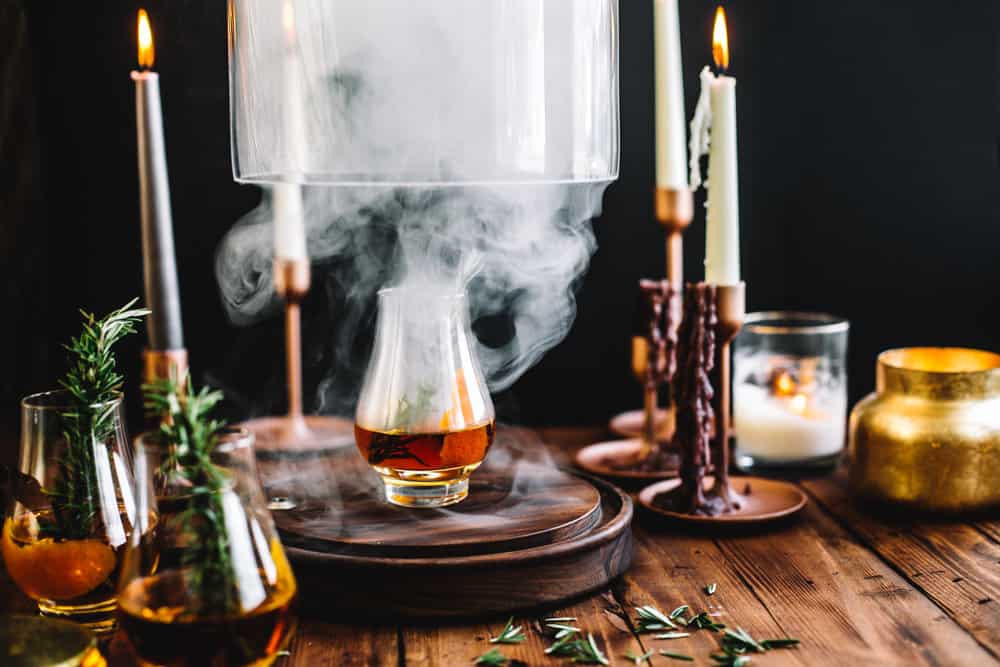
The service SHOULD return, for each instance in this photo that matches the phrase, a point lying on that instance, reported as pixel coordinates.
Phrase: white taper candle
(671, 160)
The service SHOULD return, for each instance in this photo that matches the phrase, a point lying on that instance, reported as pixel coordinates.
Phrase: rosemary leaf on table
(710, 589)
(649, 618)
(676, 656)
(510, 634)
(637, 659)
(673, 635)
(492, 658)
(676, 613)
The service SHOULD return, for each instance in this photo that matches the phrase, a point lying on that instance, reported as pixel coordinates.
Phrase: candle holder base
(619, 461)
(629, 424)
(761, 501)
(793, 468)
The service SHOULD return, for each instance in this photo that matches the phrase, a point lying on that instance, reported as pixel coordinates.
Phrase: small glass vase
(65, 532)
(222, 592)
(425, 419)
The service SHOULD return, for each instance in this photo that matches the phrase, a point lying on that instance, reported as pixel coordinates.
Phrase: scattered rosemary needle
(673, 635)
(560, 619)
(511, 634)
(649, 618)
(493, 657)
(710, 589)
(740, 641)
(562, 630)
(579, 650)
(729, 660)
(637, 659)
(677, 612)
(676, 656)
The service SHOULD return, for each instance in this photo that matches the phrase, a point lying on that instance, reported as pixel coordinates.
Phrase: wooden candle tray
(530, 534)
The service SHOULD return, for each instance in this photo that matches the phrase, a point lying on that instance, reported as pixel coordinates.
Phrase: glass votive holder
(790, 390)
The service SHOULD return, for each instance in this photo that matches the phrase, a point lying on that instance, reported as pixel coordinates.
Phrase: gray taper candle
(159, 264)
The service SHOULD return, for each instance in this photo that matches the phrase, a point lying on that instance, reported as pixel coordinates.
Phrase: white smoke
(517, 250)
(439, 99)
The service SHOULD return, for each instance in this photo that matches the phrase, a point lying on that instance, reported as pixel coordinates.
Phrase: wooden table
(854, 589)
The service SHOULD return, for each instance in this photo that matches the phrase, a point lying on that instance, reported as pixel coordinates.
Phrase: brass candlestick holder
(295, 435)
(164, 364)
(731, 309)
(674, 210)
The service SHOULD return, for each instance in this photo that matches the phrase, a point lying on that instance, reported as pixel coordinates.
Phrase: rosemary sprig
(649, 618)
(93, 384)
(510, 634)
(190, 436)
(740, 641)
(637, 659)
(493, 658)
(676, 656)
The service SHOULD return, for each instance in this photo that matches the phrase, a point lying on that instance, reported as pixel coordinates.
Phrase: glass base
(100, 617)
(805, 467)
(425, 494)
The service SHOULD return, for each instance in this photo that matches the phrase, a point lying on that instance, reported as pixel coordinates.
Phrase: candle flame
(720, 40)
(288, 19)
(146, 51)
(784, 384)
(799, 403)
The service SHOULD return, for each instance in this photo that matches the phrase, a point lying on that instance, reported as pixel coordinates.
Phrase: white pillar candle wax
(787, 428)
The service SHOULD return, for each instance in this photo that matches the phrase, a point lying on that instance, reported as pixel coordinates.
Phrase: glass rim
(35, 401)
(431, 292)
(811, 323)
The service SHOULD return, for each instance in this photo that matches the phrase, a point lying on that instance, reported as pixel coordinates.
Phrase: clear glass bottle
(65, 533)
(425, 419)
(223, 593)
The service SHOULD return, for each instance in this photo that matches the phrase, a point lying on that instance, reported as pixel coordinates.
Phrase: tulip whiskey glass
(65, 532)
(425, 418)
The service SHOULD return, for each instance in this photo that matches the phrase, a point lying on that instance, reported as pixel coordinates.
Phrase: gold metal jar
(929, 437)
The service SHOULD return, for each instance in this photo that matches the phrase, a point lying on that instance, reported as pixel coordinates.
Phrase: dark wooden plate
(609, 460)
(768, 500)
(530, 534)
(321, 436)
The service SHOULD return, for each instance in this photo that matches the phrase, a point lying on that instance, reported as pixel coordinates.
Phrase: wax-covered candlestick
(671, 158)
(159, 264)
(716, 115)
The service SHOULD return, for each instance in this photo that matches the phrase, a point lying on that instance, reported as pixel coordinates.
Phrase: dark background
(869, 186)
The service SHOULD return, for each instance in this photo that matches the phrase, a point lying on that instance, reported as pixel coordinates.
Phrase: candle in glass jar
(776, 423)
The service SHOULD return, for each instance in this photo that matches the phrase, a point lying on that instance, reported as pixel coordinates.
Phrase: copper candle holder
(731, 305)
(295, 434)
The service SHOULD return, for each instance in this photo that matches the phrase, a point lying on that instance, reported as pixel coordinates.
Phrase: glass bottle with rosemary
(223, 592)
(64, 534)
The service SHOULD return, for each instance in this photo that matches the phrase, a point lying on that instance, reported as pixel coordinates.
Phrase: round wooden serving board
(529, 534)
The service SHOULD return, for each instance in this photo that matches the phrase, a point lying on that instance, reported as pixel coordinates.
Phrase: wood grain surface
(857, 589)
